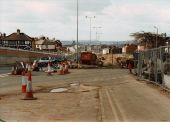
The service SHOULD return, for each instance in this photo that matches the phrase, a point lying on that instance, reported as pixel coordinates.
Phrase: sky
(57, 18)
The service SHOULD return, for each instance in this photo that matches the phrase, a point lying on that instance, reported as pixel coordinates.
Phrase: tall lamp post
(88, 17)
(156, 72)
(97, 31)
(156, 36)
(77, 27)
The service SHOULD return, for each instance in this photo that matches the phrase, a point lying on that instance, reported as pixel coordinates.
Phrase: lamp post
(97, 30)
(89, 17)
(77, 27)
(156, 72)
(156, 36)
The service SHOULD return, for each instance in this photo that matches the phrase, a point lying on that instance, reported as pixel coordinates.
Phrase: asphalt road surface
(102, 95)
(4, 70)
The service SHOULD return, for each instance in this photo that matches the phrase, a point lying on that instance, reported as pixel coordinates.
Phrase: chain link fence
(154, 65)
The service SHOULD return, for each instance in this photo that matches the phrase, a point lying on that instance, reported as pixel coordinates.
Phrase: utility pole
(90, 18)
(156, 72)
(97, 31)
(156, 43)
(77, 28)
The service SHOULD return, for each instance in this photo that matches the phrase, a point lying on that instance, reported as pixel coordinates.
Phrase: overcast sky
(57, 18)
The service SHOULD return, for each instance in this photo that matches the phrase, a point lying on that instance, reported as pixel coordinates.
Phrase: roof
(58, 41)
(44, 42)
(17, 36)
(40, 42)
(47, 42)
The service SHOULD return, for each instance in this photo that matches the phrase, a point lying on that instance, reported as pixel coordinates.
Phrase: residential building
(44, 43)
(105, 51)
(129, 49)
(17, 40)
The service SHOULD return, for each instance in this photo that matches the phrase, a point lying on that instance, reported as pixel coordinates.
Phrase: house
(129, 49)
(1, 37)
(17, 40)
(44, 43)
(105, 51)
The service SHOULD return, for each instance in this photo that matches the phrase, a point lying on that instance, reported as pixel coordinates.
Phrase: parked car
(43, 62)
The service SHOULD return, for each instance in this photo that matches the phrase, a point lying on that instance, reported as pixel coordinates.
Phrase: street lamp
(97, 31)
(156, 36)
(89, 17)
(77, 27)
(156, 72)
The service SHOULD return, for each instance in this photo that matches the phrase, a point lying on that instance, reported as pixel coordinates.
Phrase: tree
(148, 39)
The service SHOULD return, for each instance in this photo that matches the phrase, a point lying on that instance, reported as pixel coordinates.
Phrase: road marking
(122, 117)
(4, 75)
(112, 106)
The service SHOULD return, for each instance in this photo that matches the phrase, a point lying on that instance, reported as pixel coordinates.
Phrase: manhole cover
(58, 90)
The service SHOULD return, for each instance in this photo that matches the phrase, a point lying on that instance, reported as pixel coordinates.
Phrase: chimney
(18, 31)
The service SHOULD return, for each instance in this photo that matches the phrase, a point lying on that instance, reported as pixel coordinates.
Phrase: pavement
(92, 95)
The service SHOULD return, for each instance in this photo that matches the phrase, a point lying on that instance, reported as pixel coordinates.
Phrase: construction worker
(130, 66)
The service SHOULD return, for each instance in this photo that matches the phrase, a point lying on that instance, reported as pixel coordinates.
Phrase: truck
(89, 58)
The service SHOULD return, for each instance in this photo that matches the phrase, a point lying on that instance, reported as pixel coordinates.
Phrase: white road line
(4, 75)
(112, 106)
(117, 104)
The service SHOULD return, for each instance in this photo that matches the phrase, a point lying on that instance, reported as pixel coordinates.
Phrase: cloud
(118, 18)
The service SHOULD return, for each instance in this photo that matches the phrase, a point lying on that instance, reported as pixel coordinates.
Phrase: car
(43, 62)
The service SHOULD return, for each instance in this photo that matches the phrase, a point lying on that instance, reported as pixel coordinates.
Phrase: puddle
(58, 90)
(74, 84)
(74, 87)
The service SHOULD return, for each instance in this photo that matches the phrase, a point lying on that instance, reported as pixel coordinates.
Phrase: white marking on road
(117, 104)
(112, 106)
(119, 77)
(4, 75)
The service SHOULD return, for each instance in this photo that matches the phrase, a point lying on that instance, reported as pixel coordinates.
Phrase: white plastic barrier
(167, 80)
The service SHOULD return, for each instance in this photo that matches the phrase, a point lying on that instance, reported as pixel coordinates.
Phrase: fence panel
(154, 65)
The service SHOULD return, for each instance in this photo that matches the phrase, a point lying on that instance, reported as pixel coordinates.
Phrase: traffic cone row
(29, 91)
(27, 83)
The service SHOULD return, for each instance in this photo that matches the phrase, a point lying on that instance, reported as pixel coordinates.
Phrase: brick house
(129, 49)
(17, 40)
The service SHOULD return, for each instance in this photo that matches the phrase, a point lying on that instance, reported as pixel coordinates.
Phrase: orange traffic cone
(66, 69)
(24, 82)
(29, 92)
(61, 72)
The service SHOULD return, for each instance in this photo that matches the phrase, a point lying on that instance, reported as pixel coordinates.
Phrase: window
(21, 42)
(12, 43)
(27, 42)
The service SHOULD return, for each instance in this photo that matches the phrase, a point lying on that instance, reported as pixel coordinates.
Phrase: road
(102, 95)
(4, 70)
